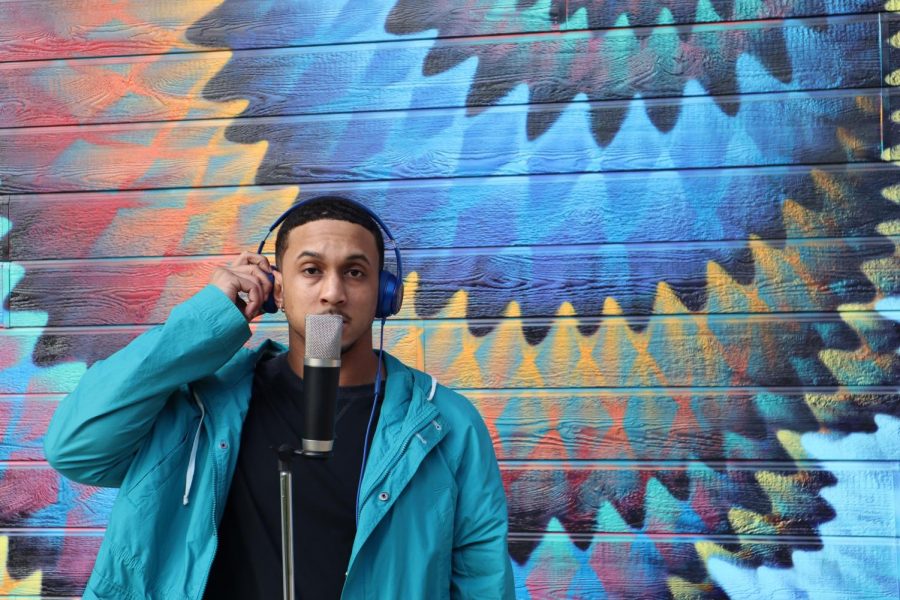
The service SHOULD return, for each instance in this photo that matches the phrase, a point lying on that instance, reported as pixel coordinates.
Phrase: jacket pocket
(148, 484)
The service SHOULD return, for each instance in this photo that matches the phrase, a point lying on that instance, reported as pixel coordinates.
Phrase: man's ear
(278, 288)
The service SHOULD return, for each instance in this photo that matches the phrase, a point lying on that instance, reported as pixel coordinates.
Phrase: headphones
(390, 286)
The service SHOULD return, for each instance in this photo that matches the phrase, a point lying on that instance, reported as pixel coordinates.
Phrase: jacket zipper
(420, 425)
(215, 536)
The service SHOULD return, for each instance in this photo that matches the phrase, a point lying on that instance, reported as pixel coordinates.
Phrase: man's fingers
(251, 258)
(246, 281)
(261, 261)
(258, 273)
(252, 290)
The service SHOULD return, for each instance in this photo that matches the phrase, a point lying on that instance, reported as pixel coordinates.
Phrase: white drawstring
(433, 388)
(192, 463)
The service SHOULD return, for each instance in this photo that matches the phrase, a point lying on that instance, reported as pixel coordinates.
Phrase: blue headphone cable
(362, 468)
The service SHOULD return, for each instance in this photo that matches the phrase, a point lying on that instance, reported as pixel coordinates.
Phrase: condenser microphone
(321, 374)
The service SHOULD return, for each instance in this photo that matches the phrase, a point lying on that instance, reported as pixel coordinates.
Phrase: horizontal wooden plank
(143, 291)
(39, 497)
(676, 423)
(714, 350)
(146, 291)
(143, 223)
(600, 424)
(657, 567)
(766, 129)
(620, 566)
(52, 361)
(77, 28)
(737, 499)
(696, 351)
(797, 55)
(23, 424)
(409, 16)
(827, 201)
(734, 499)
(105, 27)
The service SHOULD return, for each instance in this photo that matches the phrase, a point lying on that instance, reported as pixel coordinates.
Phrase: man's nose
(332, 291)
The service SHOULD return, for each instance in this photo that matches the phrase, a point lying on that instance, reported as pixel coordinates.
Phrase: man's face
(330, 266)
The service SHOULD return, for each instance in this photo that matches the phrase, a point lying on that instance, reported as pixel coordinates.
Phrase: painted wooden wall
(655, 242)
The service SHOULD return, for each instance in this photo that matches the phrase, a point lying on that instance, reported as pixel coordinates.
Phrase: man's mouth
(343, 317)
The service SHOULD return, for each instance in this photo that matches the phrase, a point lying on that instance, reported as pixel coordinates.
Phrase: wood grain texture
(64, 559)
(676, 424)
(700, 499)
(843, 54)
(716, 350)
(158, 26)
(769, 129)
(611, 562)
(598, 424)
(38, 496)
(78, 28)
(891, 58)
(537, 490)
(557, 558)
(24, 421)
(143, 291)
(155, 222)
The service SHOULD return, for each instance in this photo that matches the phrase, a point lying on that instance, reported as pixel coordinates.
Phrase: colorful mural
(654, 242)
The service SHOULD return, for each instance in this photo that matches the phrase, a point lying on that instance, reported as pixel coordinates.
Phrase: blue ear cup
(390, 295)
(269, 305)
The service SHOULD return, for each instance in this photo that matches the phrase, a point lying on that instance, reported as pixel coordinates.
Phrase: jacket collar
(406, 393)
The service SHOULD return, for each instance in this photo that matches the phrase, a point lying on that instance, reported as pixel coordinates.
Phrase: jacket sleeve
(98, 428)
(481, 565)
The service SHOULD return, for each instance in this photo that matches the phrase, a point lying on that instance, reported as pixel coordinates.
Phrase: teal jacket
(161, 420)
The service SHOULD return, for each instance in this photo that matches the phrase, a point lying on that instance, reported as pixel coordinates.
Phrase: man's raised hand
(245, 282)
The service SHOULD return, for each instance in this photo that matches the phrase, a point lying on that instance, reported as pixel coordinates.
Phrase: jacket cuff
(225, 320)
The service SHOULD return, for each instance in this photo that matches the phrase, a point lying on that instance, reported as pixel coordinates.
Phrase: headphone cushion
(269, 306)
(390, 295)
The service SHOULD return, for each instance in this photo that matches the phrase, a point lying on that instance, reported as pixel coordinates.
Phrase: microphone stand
(285, 480)
(321, 371)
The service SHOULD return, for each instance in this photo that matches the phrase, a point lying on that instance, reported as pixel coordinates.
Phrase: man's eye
(310, 271)
(355, 273)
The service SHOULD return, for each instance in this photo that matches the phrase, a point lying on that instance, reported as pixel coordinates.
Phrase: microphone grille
(323, 336)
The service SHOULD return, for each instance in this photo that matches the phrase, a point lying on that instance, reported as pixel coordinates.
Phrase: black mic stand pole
(285, 479)
(286, 455)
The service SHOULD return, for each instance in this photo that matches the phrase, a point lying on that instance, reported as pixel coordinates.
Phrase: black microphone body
(321, 376)
(320, 386)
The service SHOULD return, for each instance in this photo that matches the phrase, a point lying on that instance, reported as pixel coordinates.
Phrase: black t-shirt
(248, 559)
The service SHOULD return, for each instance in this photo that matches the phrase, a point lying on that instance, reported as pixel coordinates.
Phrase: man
(184, 420)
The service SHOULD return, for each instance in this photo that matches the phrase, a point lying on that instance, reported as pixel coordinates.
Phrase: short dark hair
(328, 207)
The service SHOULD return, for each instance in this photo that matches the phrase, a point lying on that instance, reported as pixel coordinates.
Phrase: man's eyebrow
(352, 257)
